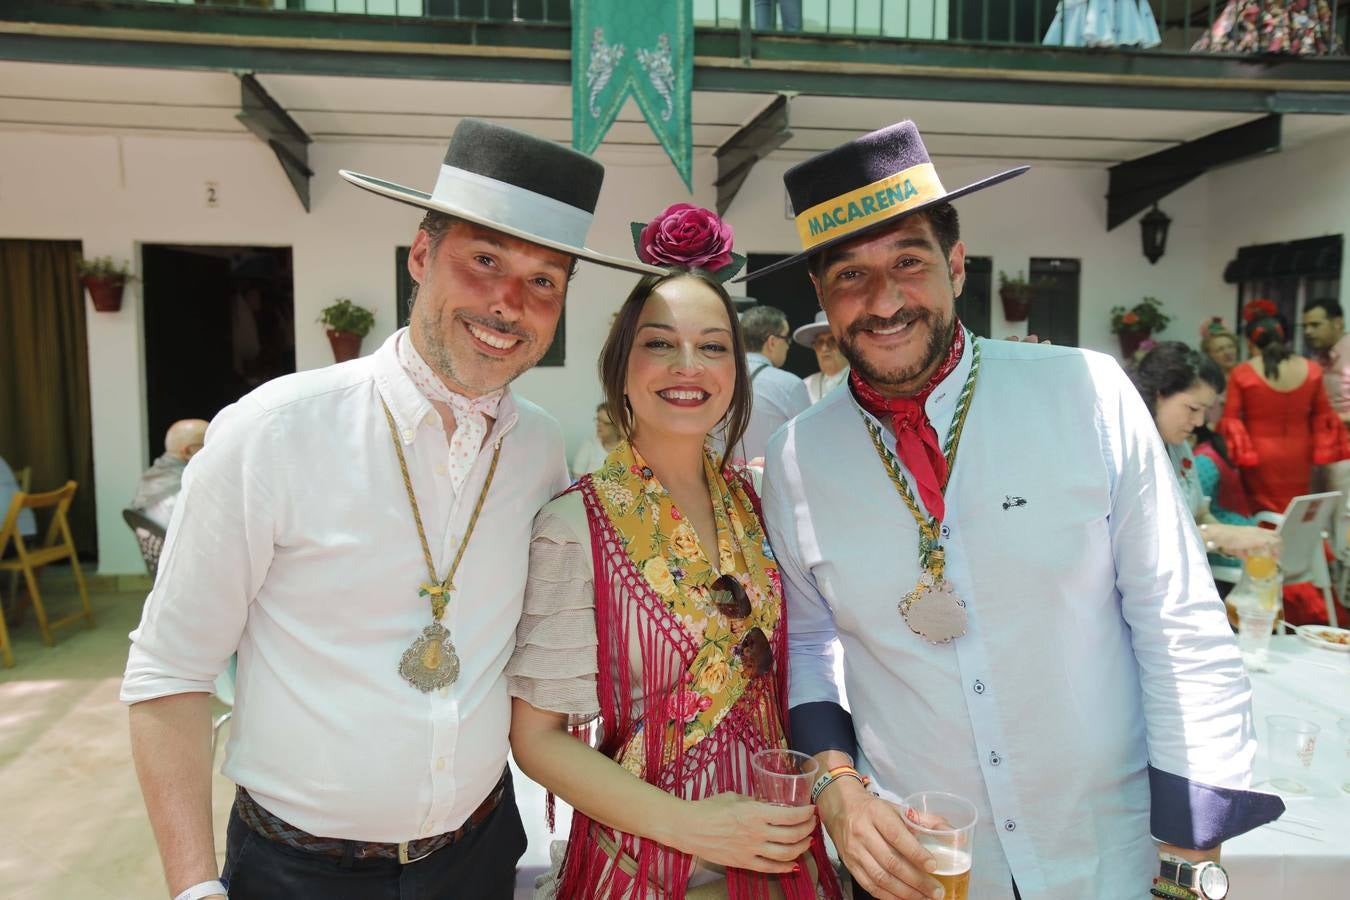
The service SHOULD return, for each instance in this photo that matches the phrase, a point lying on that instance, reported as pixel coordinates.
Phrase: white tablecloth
(1306, 853)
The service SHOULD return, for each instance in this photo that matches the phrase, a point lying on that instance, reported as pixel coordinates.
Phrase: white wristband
(205, 889)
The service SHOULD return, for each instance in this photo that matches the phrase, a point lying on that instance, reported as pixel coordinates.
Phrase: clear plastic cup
(945, 825)
(783, 777)
(1291, 745)
(1254, 628)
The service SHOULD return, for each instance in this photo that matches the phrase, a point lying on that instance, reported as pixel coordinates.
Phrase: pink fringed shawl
(629, 614)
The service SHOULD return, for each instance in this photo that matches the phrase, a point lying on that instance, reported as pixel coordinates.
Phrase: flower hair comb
(1214, 326)
(1259, 309)
(687, 235)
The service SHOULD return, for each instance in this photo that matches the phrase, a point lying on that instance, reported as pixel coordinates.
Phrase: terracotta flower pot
(1130, 341)
(1016, 302)
(105, 291)
(345, 345)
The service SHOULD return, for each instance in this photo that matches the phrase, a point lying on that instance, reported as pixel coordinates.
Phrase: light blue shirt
(778, 396)
(1097, 649)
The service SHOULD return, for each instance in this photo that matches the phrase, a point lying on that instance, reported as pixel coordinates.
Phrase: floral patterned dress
(1298, 27)
(633, 635)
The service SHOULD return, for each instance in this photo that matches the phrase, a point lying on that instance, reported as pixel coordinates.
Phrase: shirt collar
(753, 356)
(410, 407)
(941, 404)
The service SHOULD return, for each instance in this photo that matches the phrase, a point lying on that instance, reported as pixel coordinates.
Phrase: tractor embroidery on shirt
(1013, 503)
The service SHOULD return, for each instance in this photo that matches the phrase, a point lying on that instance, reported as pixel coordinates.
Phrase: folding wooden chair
(58, 545)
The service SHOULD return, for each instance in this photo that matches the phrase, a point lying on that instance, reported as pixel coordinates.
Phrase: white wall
(1285, 196)
(115, 193)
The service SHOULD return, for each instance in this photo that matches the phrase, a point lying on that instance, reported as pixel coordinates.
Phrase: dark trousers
(860, 894)
(481, 865)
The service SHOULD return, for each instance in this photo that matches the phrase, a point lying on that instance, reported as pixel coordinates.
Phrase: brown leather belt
(276, 829)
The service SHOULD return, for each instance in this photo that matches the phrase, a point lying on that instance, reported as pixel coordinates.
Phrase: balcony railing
(994, 22)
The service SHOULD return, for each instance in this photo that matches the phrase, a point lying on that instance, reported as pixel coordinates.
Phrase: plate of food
(1326, 637)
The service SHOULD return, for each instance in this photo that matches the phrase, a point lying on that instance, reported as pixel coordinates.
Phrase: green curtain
(44, 374)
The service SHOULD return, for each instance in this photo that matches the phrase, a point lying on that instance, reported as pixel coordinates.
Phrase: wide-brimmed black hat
(869, 182)
(525, 186)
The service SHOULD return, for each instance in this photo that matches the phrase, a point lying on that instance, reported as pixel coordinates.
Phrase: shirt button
(440, 763)
(994, 758)
(1009, 825)
(407, 434)
(978, 687)
(945, 530)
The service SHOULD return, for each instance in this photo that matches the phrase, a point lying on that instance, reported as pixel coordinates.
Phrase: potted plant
(105, 280)
(1016, 294)
(1137, 324)
(347, 324)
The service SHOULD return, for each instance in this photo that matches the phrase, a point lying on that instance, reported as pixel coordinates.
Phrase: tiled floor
(72, 825)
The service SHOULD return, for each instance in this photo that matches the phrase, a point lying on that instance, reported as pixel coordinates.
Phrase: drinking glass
(1254, 628)
(1292, 742)
(944, 825)
(783, 777)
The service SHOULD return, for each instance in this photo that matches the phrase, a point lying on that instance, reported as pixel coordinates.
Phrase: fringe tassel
(716, 764)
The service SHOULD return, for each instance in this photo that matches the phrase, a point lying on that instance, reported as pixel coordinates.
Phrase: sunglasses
(730, 598)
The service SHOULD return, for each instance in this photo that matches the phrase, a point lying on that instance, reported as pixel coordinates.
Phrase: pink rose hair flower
(688, 236)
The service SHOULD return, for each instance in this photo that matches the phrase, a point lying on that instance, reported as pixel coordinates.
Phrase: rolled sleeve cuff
(1201, 816)
(820, 726)
(148, 678)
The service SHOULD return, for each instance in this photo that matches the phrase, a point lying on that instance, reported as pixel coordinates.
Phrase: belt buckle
(403, 853)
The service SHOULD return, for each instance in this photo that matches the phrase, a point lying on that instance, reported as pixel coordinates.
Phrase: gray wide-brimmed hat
(869, 182)
(521, 185)
(806, 335)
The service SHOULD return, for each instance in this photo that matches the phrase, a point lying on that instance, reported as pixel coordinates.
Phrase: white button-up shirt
(1096, 642)
(293, 543)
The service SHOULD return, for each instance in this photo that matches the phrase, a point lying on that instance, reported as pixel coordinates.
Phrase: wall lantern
(1154, 226)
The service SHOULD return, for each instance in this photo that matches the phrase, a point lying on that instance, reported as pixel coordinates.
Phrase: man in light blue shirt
(1024, 606)
(779, 395)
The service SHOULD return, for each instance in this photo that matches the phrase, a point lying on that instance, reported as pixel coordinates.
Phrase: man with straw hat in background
(358, 535)
(816, 337)
(991, 532)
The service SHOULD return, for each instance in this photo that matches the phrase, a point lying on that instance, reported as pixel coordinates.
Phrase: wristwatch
(1207, 879)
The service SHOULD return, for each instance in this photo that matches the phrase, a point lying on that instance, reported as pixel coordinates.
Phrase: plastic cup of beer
(944, 825)
(1292, 742)
(783, 777)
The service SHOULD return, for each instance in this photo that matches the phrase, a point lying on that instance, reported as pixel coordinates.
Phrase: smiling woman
(657, 568)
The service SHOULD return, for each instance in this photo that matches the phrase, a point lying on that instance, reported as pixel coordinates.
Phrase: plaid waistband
(277, 829)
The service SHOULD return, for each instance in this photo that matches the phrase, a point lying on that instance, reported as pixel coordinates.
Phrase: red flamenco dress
(1276, 437)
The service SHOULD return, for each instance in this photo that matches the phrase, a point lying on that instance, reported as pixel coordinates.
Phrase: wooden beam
(759, 137)
(266, 118)
(1138, 184)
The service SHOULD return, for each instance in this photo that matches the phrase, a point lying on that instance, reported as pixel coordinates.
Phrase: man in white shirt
(1324, 333)
(358, 535)
(158, 489)
(1040, 634)
(778, 395)
(816, 337)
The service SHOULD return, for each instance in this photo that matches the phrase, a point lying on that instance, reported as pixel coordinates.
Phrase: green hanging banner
(640, 47)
